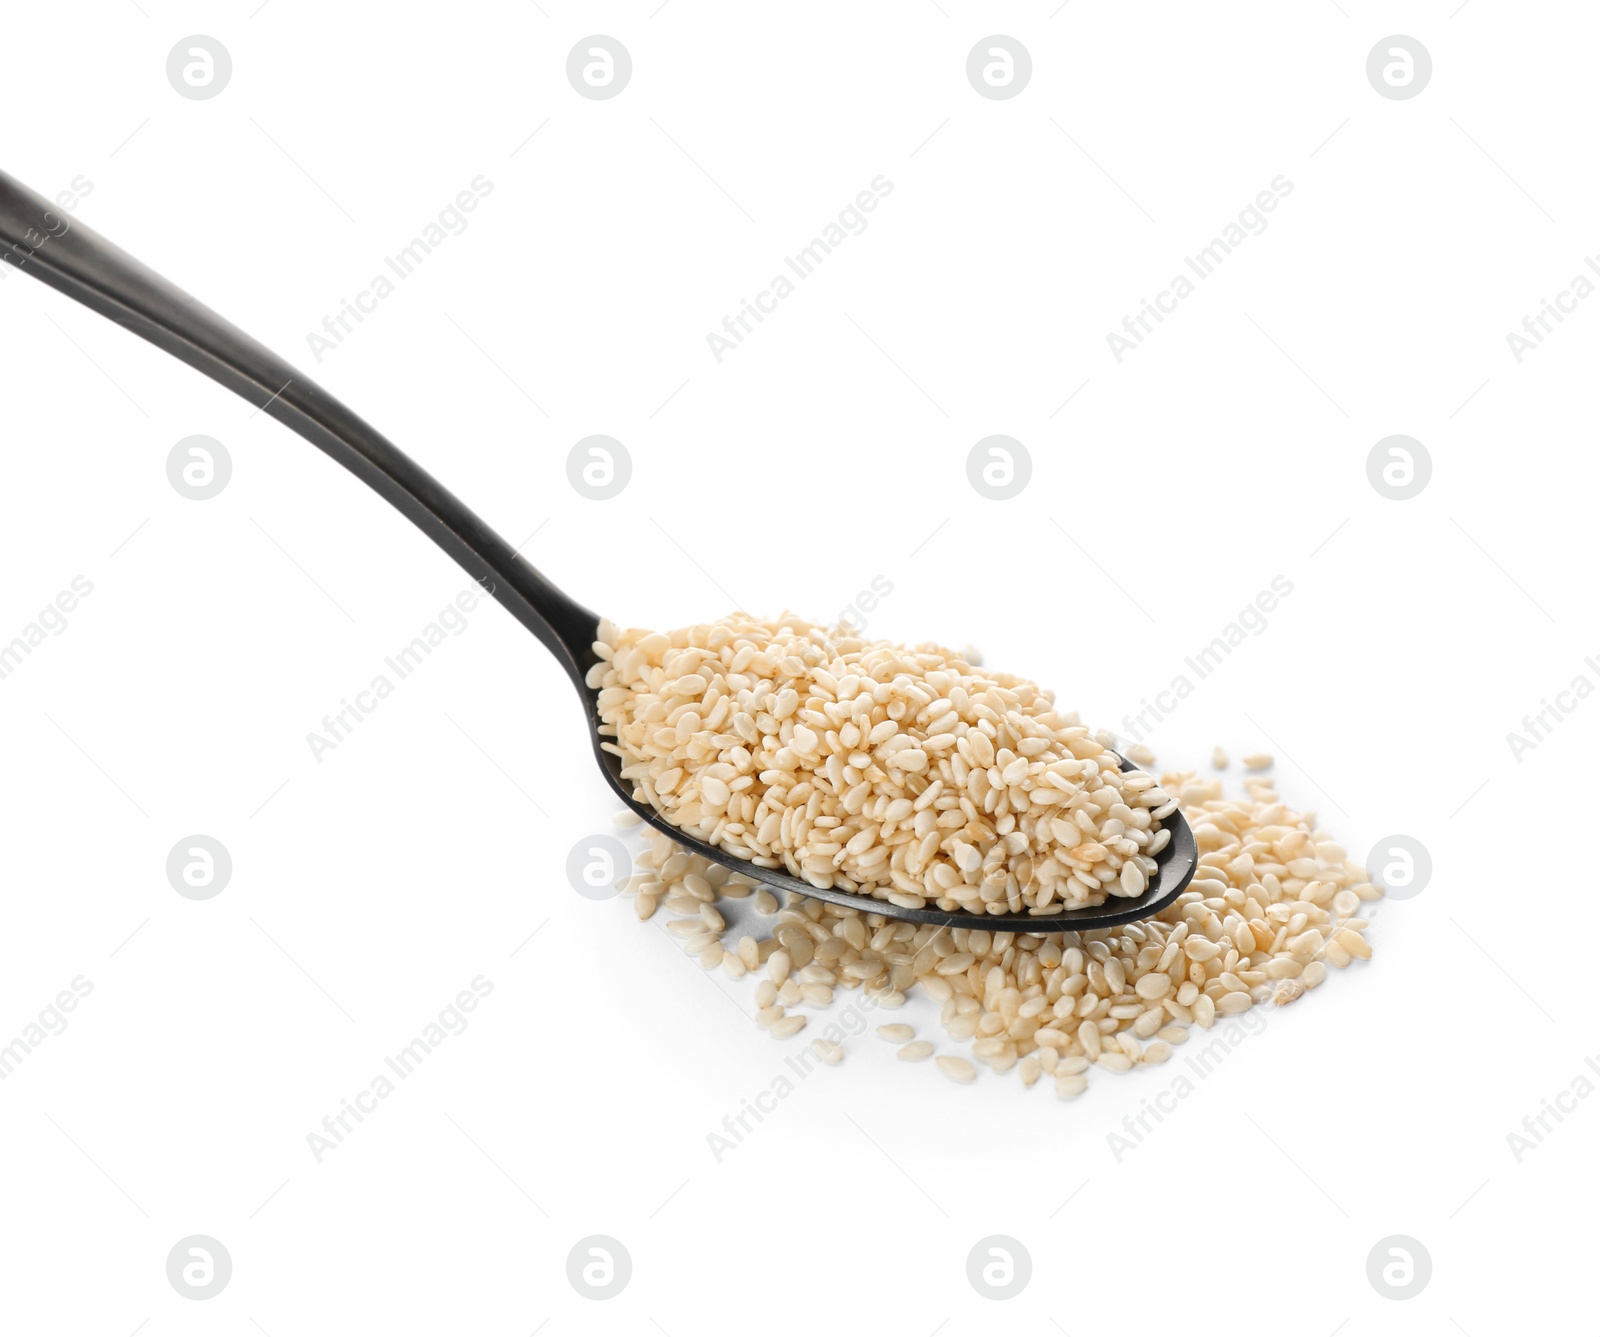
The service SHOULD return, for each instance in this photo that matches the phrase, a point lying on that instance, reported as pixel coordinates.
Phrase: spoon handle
(41, 240)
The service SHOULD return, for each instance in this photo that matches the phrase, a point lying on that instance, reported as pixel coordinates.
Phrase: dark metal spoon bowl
(45, 243)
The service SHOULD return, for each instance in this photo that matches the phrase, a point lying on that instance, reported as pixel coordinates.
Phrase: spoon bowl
(1175, 867)
(38, 239)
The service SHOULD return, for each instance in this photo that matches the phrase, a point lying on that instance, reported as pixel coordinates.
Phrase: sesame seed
(1271, 910)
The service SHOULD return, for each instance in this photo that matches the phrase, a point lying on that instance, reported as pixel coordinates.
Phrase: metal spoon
(44, 242)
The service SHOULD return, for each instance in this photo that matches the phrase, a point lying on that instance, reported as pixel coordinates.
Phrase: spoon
(42, 241)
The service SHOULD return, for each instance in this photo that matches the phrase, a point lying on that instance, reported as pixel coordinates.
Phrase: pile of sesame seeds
(1275, 902)
(906, 773)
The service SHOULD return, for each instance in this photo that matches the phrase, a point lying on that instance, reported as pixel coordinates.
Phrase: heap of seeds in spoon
(905, 773)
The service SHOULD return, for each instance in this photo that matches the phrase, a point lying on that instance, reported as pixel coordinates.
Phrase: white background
(369, 888)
